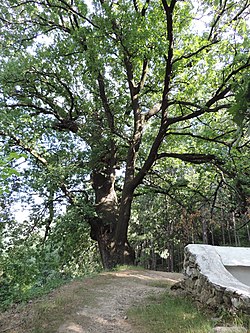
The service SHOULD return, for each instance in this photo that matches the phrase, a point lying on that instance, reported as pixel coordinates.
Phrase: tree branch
(143, 75)
(215, 139)
(190, 55)
(145, 7)
(192, 158)
(105, 103)
(221, 12)
(136, 6)
(38, 109)
(201, 111)
(234, 72)
(169, 64)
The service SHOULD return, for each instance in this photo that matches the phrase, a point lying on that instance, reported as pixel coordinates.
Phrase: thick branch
(105, 102)
(145, 7)
(169, 58)
(164, 105)
(192, 158)
(136, 6)
(143, 75)
(203, 110)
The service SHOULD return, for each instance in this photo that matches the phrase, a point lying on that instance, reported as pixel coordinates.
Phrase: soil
(91, 305)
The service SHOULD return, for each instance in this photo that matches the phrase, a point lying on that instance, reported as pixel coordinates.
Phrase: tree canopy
(129, 119)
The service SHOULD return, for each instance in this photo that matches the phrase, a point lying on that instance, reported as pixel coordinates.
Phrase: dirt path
(96, 305)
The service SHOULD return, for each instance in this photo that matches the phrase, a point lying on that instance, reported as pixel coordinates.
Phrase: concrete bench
(218, 276)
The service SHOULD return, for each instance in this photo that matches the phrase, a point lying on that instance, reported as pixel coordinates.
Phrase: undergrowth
(13, 294)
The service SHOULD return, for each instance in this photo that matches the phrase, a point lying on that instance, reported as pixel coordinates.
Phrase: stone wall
(208, 281)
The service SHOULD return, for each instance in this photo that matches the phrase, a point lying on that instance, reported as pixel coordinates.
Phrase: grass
(176, 314)
(121, 268)
(170, 314)
(239, 319)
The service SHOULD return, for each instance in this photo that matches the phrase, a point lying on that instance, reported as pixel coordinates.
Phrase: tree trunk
(110, 229)
(112, 253)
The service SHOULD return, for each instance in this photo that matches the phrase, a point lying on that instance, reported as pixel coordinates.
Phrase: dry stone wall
(209, 282)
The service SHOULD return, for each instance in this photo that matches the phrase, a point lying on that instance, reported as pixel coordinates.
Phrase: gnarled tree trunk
(112, 240)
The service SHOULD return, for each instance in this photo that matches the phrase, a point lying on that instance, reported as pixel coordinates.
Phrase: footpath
(91, 305)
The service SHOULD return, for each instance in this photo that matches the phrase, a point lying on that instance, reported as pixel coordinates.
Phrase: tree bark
(112, 241)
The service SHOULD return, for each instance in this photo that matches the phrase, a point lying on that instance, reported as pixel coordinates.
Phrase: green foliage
(31, 266)
(27, 272)
(8, 171)
(78, 255)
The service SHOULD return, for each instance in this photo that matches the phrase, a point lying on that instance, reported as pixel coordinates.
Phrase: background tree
(129, 86)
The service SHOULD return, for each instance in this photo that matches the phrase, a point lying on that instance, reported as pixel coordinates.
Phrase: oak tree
(101, 93)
